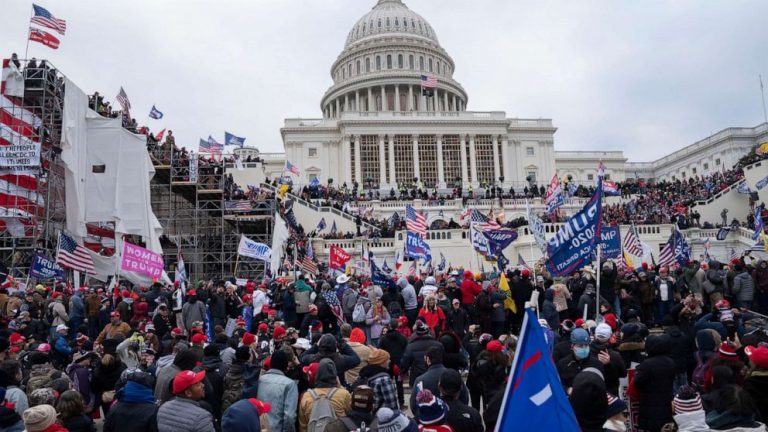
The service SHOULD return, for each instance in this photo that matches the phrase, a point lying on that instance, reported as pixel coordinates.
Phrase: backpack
(322, 412)
(39, 378)
(699, 373)
(233, 392)
(358, 313)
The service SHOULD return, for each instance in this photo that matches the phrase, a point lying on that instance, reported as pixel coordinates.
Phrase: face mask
(581, 353)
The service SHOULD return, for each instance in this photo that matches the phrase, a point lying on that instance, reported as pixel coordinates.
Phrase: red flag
(339, 257)
(160, 135)
(45, 38)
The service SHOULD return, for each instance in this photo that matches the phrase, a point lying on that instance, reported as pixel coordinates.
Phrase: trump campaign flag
(535, 399)
(338, 257)
(233, 140)
(416, 247)
(571, 248)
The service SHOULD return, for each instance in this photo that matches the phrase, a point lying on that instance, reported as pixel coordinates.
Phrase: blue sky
(643, 77)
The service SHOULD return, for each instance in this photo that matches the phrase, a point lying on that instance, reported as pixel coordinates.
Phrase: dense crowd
(424, 352)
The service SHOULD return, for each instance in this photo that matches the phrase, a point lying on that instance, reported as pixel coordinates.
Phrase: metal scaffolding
(197, 221)
(44, 100)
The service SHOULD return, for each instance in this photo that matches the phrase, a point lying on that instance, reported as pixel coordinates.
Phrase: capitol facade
(378, 129)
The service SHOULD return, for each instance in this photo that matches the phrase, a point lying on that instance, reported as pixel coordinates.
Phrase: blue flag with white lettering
(416, 247)
(571, 248)
(233, 140)
(535, 399)
(610, 243)
(43, 267)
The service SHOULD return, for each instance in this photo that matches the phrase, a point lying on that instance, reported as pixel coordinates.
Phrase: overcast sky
(645, 77)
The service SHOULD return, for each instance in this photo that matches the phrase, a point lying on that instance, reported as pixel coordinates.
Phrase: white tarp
(279, 237)
(108, 172)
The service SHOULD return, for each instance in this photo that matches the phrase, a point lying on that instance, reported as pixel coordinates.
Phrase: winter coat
(348, 302)
(498, 313)
(429, 381)
(413, 358)
(134, 411)
(363, 351)
(458, 321)
(568, 367)
(395, 344)
(760, 276)
(608, 284)
(377, 324)
(462, 417)
(409, 294)
(549, 311)
(163, 383)
(756, 385)
(714, 281)
(110, 330)
(682, 349)
(191, 312)
(58, 312)
(435, 319)
(653, 381)
(81, 423)
(589, 402)
(344, 360)
(614, 370)
(341, 402)
(692, 422)
(183, 415)
(743, 287)
(283, 393)
(469, 289)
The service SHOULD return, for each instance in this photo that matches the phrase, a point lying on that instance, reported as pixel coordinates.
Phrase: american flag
(46, 19)
(308, 265)
(667, 254)
(333, 302)
(122, 98)
(484, 223)
(734, 255)
(600, 169)
(72, 255)
(429, 81)
(398, 260)
(293, 169)
(238, 206)
(211, 146)
(412, 269)
(632, 242)
(415, 221)
(521, 262)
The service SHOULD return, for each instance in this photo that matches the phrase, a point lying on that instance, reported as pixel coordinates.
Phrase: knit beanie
(40, 417)
(615, 406)
(357, 335)
(432, 409)
(687, 400)
(391, 421)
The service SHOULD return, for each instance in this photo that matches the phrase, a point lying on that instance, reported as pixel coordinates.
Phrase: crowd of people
(425, 352)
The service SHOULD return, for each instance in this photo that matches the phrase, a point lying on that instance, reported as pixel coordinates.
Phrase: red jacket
(434, 319)
(469, 290)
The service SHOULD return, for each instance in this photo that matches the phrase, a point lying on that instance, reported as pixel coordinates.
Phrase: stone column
(422, 101)
(345, 156)
(357, 100)
(409, 105)
(346, 102)
(464, 175)
(445, 101)
(382, 164)
(370, 102)
(384, 106)
(392, 176)
(507, 173)
(337, 108)
(440, 167)
(416, 170)
(473, 160)
(358, 174)
(397, 98)
(496, 168)
(454, 106)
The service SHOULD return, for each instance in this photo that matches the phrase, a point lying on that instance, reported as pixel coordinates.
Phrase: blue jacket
(76, 307)
(241, 416)
(62, 345)
(283, 393)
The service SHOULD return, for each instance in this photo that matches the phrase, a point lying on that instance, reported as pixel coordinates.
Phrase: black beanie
(279, 361)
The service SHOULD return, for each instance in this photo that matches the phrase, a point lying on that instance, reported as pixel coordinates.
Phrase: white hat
(603, 332)
(342, 279)
(302, 344)
(61, 327)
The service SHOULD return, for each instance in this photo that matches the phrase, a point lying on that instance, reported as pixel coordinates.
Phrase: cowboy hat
(342, 279)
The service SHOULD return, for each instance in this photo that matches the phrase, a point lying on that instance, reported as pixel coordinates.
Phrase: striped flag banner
(41, 16)
(71, 255)
(632, 243)
(415, 221)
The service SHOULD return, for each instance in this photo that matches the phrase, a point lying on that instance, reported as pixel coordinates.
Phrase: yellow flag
(628, 260)
(509, 302)
(282, 191)
(763, 148)
(764, 239)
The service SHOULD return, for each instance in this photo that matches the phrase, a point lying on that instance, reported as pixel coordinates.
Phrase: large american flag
(667, 254)
(122, 98)
(483, 222)
(429, 81)
(238, 205)
(333, 302)
(46, 19)
(293, 169)
(632, 244)
(72, 255)
(415, 221)
(308, 265)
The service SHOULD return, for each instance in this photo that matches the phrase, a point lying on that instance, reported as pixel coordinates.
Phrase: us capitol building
(378, 130)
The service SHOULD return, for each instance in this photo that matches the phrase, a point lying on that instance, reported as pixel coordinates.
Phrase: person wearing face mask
(580, 358)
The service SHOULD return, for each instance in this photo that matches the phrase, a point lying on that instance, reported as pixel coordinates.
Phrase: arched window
(343, 73)
(389, 61)
(367, 65)
(387, 22)
(438, 68)
(379, 22)
(430, 65)
(421, 63)
(410, 61)
(378, 62)
(420, 29)
(349, 70)
(357, 67)
(364, 27)
(397, 22)
(405, 22)
(399, 61)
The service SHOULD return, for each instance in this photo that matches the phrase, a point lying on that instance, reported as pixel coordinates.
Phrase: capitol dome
(380, 68)
(391, 16)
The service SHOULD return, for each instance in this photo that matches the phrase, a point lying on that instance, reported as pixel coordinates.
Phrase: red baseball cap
(263, 328)
(191, 293)
(185, 379)
(199, 338)
(240, 322)
(248, 338)
(56, 294)
(114, 314)
(494, 346)
(261, 407)
(311, 372)
(177, 331)
(247, 297)
(758, 356)
(278, 333)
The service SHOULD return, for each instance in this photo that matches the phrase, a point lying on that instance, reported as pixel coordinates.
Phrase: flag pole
(597, 283)
(29, 30)
(762, 93)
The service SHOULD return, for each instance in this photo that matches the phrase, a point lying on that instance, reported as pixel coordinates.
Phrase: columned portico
(358, 168)
(415, 141)
(382, 164)
(472, 161)
(392, 178)
(440, 163)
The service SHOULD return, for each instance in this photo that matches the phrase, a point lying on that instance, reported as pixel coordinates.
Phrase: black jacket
(429, 381)
(413, 358)
(614, 370)
(394, 343)
(458, 321)
(462, 417)
(682, 349)
(653, 381)
(757, 387)
(569, 367)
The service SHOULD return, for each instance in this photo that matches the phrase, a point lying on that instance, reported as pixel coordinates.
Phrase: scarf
(134, 392)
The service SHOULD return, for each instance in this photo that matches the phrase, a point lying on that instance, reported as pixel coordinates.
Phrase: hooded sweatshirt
(409, 294)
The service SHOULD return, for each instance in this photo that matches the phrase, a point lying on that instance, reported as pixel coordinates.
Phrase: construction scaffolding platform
(33, 207)
(190, 201)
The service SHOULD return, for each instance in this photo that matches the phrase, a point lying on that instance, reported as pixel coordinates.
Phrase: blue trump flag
(572, 247)
(416, 247)
(43, 267)
(610, 242)
(233, 140)
(535, 399)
